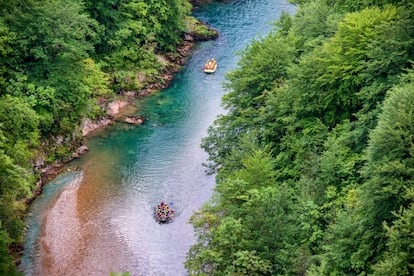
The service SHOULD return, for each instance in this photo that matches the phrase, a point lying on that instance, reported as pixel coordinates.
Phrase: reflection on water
(101, 219)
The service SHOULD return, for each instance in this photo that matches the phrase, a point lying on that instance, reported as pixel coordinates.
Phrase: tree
(390, 167)
(356, 240)
(329, 79)
(52, 39)
(398, 257)
(7, 267)
(7, 41)
(131, 34)
(19, 126)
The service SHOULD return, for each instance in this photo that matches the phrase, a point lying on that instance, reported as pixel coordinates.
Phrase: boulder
(81, 150)
(114, 107)
(135, 120)
(89, 125)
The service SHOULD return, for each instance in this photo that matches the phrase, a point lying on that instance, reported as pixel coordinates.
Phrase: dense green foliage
(132, 32)
(315, 157)
(58, 60)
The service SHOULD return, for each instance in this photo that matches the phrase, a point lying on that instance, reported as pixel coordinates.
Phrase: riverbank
(117, 109)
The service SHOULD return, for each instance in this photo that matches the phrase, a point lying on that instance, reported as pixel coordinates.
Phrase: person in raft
(210, 64)
(163, 211)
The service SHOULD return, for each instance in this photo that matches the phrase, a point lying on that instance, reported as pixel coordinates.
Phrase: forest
(60, 63)
(314, 157)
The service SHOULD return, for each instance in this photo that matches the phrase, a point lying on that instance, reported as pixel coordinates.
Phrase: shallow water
(100, 220)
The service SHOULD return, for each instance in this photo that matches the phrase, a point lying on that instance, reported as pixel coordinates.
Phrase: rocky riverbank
(115, 110)
(172, 63)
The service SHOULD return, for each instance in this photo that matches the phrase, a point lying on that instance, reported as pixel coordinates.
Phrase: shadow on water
(101, 219)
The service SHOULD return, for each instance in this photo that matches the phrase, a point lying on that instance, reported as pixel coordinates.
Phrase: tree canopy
(313, 159)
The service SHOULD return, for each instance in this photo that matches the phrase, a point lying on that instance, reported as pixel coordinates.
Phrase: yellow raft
(210, 66)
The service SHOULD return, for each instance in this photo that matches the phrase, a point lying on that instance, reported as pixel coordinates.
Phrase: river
(99, 219)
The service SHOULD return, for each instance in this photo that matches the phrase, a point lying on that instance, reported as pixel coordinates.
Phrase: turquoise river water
(99, 220)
